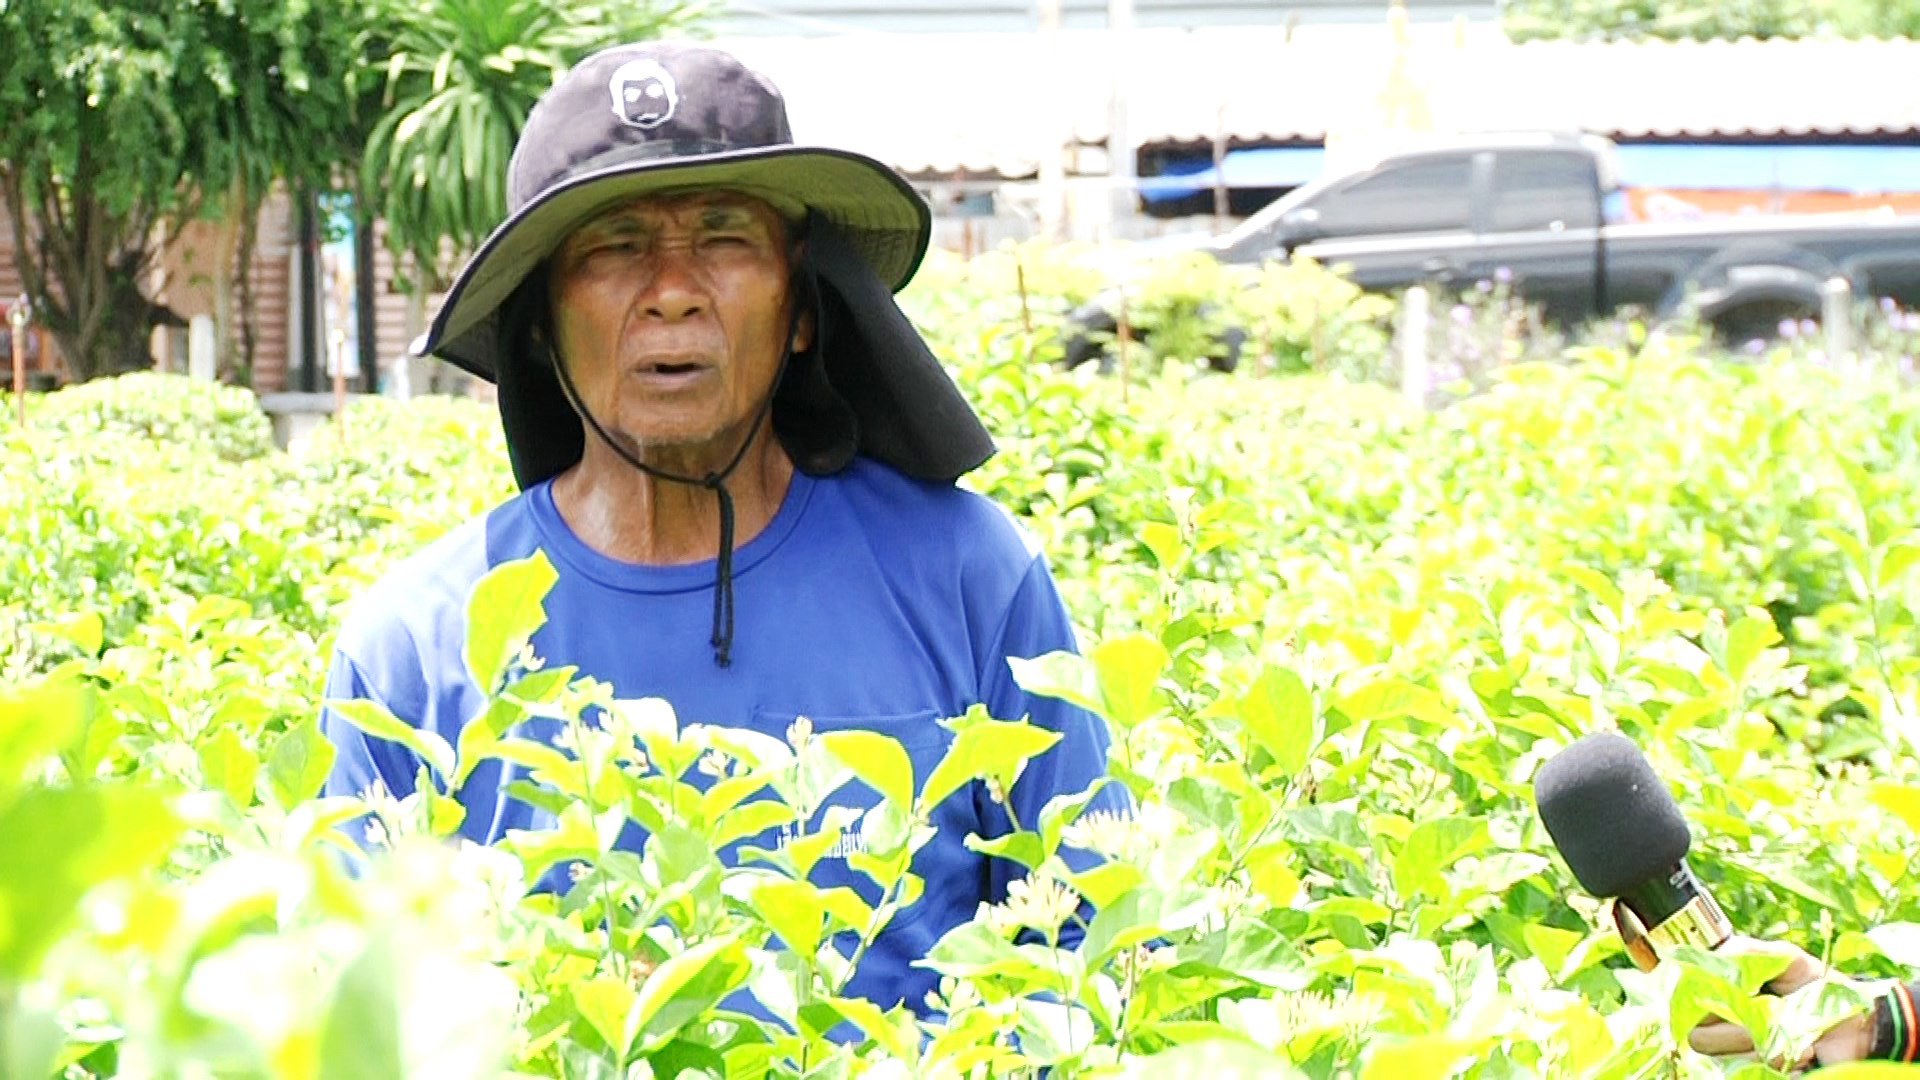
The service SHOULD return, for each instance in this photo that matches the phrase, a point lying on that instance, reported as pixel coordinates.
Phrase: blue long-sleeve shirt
(871, 601)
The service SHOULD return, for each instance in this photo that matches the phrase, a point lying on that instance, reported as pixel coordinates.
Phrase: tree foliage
(460, 77)
(128, 118)
(1700, 20)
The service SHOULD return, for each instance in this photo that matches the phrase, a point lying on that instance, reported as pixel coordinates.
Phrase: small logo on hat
(644, 95)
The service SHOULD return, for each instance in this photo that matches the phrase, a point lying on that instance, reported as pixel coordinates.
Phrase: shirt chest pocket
(925, 742)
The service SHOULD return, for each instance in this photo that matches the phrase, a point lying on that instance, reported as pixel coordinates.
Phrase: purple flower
(1462, 314)
(1888, 307)
(1755, 347)
(1483, 286)
(1809, 327)
(1788, 328)
(1503, 275)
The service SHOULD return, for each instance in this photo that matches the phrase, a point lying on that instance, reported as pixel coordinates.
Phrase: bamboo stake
(1026, 314)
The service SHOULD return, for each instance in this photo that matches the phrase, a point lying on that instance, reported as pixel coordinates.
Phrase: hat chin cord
(716, 481)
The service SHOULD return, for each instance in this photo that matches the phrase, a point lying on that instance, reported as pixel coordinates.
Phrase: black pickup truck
(1548, 209)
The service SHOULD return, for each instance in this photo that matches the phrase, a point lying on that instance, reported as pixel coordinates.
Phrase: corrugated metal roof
(756, 17)
(994, 103)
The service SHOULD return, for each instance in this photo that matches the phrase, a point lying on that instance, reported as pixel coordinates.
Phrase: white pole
(1053, 174)
(1416, 315)
(1122, 170)
(1836, 320)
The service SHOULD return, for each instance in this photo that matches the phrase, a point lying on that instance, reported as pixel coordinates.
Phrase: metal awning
(995, 104)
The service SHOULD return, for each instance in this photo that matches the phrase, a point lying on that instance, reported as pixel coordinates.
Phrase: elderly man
(740, 458)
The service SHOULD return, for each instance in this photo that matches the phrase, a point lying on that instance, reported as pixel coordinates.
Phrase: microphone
(1623, 837)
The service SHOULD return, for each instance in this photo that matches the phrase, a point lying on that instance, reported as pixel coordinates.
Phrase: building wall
(184, 277)
(42, 355)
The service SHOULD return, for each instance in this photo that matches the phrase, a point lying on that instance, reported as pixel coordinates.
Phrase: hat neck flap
(869, 385)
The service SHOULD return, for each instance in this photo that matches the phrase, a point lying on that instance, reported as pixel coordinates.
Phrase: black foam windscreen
(1609, 815)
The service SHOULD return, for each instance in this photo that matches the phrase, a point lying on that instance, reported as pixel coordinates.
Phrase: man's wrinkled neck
(630, 515)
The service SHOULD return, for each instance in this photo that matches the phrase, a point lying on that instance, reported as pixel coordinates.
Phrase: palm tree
(460, 79)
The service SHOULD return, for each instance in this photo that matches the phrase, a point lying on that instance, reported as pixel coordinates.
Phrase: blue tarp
(1265, 167)
(1859, 170)
(1850, 169)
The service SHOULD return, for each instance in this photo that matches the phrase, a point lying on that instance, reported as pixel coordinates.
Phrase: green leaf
(572, 838)
(60, 844)
(1271, 877)
(1898, 559)
(376, 720)
(1368, 911)
(845, 905)
(298, 764)
(1423, 1057)
(538, 758)
(1119, 925)
(504, 611)
(1900, 800)
(1106, 883)
(1215, 1059)
(794, 910)
(1550, 944)
(86, 631)
(1389, 699)
(893, 1031)
(444, 815)
(1746, 639)
(611, 1008)
(1128, 669)
(39, 724)
(1020, 846)
(1278, 713)
(1165, 542)
(1601, 586)
(1867, 1070)
(1067, 676)
(751, 819)
(1431, 847)
(687, 985)
(1698, 994)
(990, 748)
(878, 760)
(228, 765)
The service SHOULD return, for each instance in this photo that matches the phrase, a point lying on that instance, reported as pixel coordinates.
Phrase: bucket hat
(659, 117)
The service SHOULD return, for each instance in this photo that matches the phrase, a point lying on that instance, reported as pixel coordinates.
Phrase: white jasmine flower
(1120, 835)
(799, 733)
(1036, 902)
(1308, 1013)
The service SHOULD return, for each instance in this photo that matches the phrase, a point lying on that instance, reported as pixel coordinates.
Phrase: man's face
(670, 312)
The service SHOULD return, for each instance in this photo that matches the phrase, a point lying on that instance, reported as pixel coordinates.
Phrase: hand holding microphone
(1623, 837)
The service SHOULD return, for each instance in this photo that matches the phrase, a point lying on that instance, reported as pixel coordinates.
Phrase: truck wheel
(1760, 318)
(1747, 291)
(1084, 338)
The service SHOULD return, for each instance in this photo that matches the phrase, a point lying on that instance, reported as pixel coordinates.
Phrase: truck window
(1420, 196)
(1539, 191)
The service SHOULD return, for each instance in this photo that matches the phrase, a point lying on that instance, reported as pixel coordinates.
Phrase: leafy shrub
(1333, 634)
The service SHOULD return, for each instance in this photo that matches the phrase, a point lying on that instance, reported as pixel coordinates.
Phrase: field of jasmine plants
(1334, 629)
